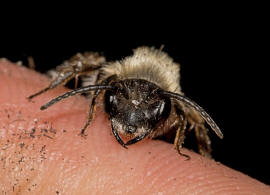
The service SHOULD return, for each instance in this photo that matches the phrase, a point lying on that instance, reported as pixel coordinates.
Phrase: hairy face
(135, 107)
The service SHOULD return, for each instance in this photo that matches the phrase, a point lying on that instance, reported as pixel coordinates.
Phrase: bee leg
(180, 136)
(198, 124)
(204, 143)
(61, 79)
(76, 80)
(92, 110)
(80, 64)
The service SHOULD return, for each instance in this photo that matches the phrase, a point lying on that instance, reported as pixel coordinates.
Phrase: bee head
(135, 107)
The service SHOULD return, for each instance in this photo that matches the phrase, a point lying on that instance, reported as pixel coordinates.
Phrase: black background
(221, 69)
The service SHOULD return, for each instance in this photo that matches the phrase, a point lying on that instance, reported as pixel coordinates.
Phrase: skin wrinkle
(181, 173)
(204, 186)
(105, 166)
(155, 174)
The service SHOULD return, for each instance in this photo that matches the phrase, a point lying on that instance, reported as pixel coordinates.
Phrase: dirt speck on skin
(43, 130)
(43, 148)
(32, 132)
(52, 130)
(45, 135)
(14, 120)
(22, 151)
(18, 160)
(21, 144)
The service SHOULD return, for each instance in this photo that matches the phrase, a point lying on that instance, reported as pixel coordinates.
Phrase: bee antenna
(198, 108)
(74, 92)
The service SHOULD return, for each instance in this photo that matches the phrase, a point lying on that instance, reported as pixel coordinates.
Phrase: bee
(142, 97)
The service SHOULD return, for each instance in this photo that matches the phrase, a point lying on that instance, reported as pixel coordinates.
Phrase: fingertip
(98, 163)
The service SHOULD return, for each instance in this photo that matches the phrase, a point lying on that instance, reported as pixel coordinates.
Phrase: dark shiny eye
(158, 107)
(111, 98)
(161, 109)
(110, 101)
(165, 109)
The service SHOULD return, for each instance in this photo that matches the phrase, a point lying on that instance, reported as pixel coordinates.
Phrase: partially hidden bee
(142, 96)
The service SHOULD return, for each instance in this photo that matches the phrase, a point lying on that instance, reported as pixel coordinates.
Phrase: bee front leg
(180, 137)
(91, 113)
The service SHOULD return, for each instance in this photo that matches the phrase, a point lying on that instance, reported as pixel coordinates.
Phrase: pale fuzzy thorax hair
(149, 64)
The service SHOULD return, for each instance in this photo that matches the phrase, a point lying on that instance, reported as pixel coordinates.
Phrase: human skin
(41, 152)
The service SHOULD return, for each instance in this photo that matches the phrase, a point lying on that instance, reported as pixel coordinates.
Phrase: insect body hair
(149, 64)
(142, 96)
